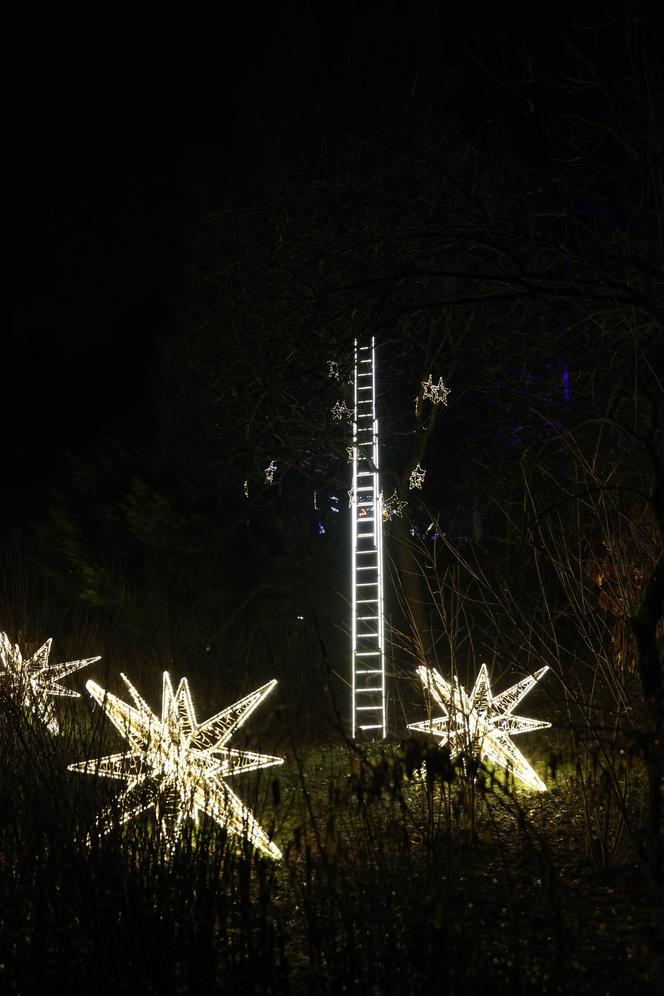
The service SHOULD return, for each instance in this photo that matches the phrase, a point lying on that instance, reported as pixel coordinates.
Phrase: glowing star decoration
(333, 370)
(36, 681)
(481, 725)
(269, 472)
(350, 451)
(416, 479)
(341, 410)
(393, 507)
(436, 393)
(246, 489)
(178, 765)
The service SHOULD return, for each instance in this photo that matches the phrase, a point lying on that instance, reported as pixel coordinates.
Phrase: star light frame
(393, 507)
(481, 725)
(437, 394)
(36, 682)
(340, 410)
(177, 765)
(416, 478)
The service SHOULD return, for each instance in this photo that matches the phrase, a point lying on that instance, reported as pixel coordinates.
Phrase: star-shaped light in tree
(393, 507)
(341, 410)
(481, 725)
(416, 479)
(333, 370)
(36, 681)
(269, 472)
(436, 393)
(178, 765)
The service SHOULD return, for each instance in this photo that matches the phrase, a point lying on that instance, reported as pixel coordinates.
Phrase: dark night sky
(107, 133)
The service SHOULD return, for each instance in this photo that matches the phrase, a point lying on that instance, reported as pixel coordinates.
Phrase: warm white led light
(341, 410)
(416, 479)
(178, 765)
(269, 472)
(436, 393)
(393, 507)
(35, 681)
(246, 489)
(481, 725)
(333, 370)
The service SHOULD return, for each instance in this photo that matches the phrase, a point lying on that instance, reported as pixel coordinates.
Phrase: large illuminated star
(35, 681)
(482, 725)
(178, 765)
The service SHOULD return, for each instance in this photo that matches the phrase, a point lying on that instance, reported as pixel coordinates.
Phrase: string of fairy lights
(180, 768)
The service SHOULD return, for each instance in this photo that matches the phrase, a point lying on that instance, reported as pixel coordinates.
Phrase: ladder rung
(369, 708)
(367, 601)
(372, 726)
(371, 670)
(361, 691)
(367, 653)
(364, 618)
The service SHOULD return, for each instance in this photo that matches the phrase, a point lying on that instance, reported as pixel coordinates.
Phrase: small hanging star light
(350, 452)
(333, 371)
(269, 472)
(436, 393)
(393, 507)
(246, 489)
(36, 681)
(177, 765)
(481, 725)
(341, 410)
(416, 479)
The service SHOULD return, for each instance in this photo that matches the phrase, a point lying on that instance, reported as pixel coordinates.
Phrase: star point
(178, 766)
(480, 724)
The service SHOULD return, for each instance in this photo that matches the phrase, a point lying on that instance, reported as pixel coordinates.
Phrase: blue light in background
(566, 388)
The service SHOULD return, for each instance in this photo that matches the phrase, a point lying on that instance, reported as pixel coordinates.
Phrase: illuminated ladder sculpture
(368, 685)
